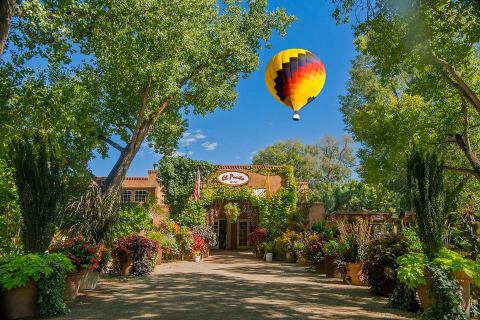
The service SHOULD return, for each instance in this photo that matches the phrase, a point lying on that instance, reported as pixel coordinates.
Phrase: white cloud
(210, 146)
(188, 138)
(252, 154)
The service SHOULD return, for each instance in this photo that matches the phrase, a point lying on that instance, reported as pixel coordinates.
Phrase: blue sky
(258, 120)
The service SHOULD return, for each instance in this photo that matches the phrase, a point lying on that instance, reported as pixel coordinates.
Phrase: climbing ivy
(177, 175)
(275, 210)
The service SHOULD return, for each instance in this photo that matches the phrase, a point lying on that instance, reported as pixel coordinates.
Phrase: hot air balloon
(295, 77)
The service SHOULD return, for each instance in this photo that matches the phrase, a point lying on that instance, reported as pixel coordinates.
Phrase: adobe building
(231, 235)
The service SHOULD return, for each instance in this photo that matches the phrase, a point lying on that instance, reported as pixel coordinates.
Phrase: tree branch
(111, 142)
(458, 82)
(462, 170)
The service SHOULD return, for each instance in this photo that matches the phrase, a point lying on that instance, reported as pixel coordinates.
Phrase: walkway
(230, 286)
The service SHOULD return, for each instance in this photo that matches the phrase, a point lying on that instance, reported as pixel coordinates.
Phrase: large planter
(125, 266)
(302, 261)
(159, 257)
(464, 283)
(330, 267)
(19, 302)
(269, 257)
(198, 259)
(353, 272)
(72, 284)
(320, 268)
(90, 280)
(289, 257)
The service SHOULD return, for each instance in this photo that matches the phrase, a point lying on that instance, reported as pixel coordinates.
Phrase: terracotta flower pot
(125, 266)
(330, 267)
(72, 284)
(159, 257)
(464, 283)
(353, 271)
(90, 280)
(320, 268)
(19, 302)
(302, 261)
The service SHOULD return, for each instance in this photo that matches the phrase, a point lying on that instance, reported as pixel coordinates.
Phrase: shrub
(207, 233)
(184, 240)
(257, 236)
(314, 248)
(40, 177)
(284, 243)
(199, 245)
(140, 250)
(10, 214)
(356, 236)
(83, 254)
(170, 247)
(380, 263)
(322, 227)
(132, 218)
(333, 248)
(268, 246)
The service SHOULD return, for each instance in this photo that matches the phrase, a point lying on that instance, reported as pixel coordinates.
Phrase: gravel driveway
(230, 286)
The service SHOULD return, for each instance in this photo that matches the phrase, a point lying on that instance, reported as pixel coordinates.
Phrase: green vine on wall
(275, 210)
(177, 175)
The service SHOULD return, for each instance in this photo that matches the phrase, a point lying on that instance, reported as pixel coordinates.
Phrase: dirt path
(230, 286)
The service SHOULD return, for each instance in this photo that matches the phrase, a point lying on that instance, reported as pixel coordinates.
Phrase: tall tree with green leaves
(428, 196)
(145, 64)
(415, 81)
(40, 177)
(328, 160)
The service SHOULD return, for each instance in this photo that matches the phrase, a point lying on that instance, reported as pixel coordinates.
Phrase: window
(125, 196)
(140, 196)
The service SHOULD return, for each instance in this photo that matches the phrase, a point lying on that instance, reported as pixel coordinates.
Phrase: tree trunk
(469, 154)
(119, 170)
(6, 13)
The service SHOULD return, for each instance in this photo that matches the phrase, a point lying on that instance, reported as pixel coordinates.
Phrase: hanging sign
(233, 178)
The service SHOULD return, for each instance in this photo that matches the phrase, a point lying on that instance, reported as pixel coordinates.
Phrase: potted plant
(232, 212)
(355, 237)
(199, 246)
(134, 255)
(21, 278)
(256, 239)
(314, 250)
(208, 234)
(380, 263)
(412, 272)
(84, 255)
(268, 249)
(332, 249)
(197, 256)
(284, 244)
(298, 249)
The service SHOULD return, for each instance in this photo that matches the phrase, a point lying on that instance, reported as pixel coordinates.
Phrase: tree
(41, 181)
(328, 160)
(421, 60)
(428, 196)
(290, 152)
(10, 215)
(145, 64)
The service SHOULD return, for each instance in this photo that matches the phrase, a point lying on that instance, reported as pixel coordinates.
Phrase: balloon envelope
(295, 77)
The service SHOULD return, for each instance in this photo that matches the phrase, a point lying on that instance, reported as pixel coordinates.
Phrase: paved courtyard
(230, 286)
